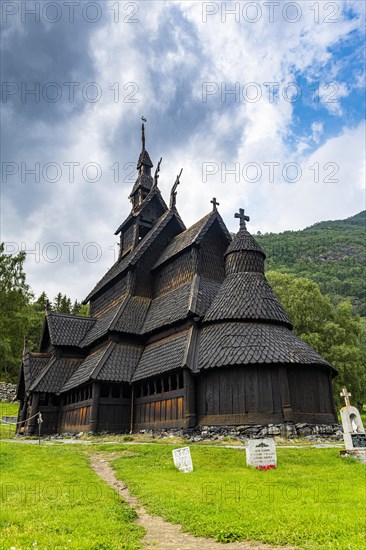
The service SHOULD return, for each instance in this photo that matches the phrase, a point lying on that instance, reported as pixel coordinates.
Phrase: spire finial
(143, 132)
(215, 204)
(173, 193)
(243, 218)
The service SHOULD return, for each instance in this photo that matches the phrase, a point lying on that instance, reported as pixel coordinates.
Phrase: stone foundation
(288, 430)
(7, 392)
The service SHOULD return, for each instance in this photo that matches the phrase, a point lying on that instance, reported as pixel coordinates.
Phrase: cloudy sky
(261, 103)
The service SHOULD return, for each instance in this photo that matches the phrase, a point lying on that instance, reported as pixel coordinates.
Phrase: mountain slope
(332, 253)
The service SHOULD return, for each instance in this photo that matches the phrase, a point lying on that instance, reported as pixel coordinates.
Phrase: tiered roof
(199, 323)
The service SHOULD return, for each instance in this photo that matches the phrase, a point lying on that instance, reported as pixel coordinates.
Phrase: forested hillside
(331, 253)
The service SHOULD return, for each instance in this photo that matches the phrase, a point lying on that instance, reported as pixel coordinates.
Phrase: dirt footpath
(161, 535)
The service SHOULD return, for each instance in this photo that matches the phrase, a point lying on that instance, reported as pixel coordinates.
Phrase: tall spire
(144, 158)
(144, 181)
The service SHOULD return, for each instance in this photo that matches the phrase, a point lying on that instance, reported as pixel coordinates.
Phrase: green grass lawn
(8, 409)
(50, 496)
(51, 499)
(314, 500)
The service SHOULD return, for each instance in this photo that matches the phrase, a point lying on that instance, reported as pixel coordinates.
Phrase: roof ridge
(193, 299)
(191, 348)
(151, 234)
(108, 350)
(210, 218)
(39, 354)
(119, 311)
(68, 315)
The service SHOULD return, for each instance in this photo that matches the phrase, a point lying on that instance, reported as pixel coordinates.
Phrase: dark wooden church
(184, 331)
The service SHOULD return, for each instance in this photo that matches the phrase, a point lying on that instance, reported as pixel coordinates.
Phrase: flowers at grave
(267, 467)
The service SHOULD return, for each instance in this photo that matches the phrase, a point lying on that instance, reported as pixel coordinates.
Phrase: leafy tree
(80, 309)
(57, 303)
(15, 297)
(333, 331)
(21, 315)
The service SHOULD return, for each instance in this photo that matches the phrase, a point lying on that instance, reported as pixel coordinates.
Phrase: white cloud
(317, 129)
(168, 55)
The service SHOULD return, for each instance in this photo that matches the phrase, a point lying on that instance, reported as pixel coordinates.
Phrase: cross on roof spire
(344, 393)
(215, 203)
(243, 218)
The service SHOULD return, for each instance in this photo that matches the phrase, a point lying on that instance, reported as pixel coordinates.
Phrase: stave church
(184, 331)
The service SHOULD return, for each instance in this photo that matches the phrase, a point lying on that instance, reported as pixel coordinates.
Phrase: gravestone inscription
(183, 460)
(261, 453)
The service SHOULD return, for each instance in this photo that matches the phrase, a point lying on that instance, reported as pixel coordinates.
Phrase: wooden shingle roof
(102, 325)
(67, 330)
(188, 300)
(126, 316)
(120, 364)
(85, 370)
(169, 308)
(130, 319)
(163, 356)
(145, 181)
(113, 362)
(145, 159)
(244, 242)
(33, 365)
(228, 344)
(55, 375)
(133, 257)
(192, 235)
(207, 292)
(248, 297)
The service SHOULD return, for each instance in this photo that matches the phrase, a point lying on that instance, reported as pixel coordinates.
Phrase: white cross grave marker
(344, 393)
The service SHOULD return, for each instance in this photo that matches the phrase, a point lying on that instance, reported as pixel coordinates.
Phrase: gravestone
(183, 460)
(261, 453)
(353, 430)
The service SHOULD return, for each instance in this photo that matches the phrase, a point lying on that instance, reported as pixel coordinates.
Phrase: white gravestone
(261, 453)
(353, 430)
(183, 460)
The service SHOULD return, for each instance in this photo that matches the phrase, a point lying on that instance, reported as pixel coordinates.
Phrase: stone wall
(7, 392)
